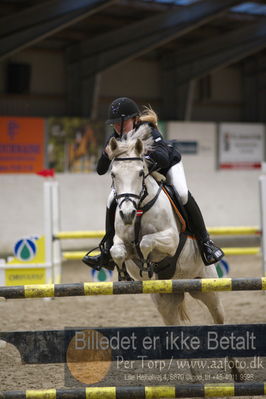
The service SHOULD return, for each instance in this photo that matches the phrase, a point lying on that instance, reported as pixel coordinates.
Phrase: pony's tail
(182, 310)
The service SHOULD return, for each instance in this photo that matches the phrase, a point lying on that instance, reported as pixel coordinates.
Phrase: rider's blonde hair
(148, 115)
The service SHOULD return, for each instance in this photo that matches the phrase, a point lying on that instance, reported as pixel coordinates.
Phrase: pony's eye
(141, 173)
(112, 175)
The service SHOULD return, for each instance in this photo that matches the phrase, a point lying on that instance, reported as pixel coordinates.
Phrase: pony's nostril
(133, 213)
(121, 214)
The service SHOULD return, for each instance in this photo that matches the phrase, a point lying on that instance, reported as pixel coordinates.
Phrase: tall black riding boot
(104, 259)
(210, 253)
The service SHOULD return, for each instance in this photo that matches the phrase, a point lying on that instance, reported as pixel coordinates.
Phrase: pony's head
(128, 170)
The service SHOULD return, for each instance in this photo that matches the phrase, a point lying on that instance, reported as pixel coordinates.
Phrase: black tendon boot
(104, 258)
(210, 253)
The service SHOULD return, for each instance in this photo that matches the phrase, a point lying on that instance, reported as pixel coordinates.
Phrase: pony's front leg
(164, 242)
(118, 252)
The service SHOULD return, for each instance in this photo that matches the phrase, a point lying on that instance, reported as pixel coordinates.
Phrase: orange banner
(22, 145)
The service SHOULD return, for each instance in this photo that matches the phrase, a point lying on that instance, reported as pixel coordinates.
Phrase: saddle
(178, 207)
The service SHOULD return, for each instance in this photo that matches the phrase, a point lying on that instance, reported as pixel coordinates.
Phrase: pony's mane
(128, 141)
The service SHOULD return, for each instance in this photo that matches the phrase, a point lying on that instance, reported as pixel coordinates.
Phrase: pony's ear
(111, 147)
(113, 144)
(139, 147)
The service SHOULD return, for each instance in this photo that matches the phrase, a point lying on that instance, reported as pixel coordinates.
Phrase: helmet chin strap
(122, 125)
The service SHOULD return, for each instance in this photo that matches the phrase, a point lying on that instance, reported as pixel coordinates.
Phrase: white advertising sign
(241, 146)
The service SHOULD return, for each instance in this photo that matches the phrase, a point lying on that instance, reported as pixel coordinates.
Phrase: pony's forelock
(127, 144)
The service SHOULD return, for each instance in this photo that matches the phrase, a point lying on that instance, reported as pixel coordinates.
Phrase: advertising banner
(241, 146)
(22, 145)
(74, 144)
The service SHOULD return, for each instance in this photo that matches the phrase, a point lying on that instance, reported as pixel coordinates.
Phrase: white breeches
(176, 177)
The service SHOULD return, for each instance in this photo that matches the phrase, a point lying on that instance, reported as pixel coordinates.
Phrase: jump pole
(133, 287)
(78, 255)
(144, 392)
(216, 231)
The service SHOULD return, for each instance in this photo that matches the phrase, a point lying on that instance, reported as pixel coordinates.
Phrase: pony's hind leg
(213, 303)
(171, 307)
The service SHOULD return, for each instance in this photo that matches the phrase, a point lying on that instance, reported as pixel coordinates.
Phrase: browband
(128, 159)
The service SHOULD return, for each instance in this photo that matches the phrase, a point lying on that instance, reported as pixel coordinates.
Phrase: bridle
(129, 196)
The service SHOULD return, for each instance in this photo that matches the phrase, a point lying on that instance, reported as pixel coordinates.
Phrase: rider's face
(127, 126)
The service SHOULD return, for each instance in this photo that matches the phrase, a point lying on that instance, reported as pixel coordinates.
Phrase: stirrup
(210, 253)
(91, 260)
(98, 261)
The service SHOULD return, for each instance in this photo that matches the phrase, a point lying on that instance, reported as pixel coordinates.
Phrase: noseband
(129, 196)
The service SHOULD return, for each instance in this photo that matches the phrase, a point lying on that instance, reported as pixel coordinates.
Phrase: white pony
(135, 188)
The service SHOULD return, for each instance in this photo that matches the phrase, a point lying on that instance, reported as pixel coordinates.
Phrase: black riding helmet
(121, 109)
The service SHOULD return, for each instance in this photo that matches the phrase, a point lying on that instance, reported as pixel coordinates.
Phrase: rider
(124, 115)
